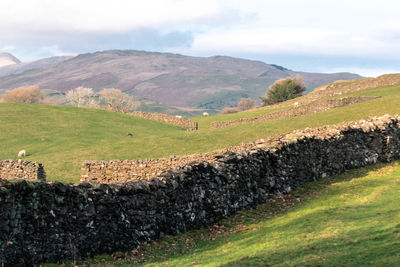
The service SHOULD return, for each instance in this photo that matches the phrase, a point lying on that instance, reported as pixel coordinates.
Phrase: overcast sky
(361, 36)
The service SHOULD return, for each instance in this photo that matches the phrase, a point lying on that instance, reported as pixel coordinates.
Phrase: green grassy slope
(351, 219)
(374, 107)
(63, 137)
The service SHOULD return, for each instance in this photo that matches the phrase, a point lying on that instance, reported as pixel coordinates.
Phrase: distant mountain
(7, 59)
(171, 79)
(20, 67)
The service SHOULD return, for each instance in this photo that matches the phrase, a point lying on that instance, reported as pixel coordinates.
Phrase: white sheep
(296, 104)
(179, 116)
(205, 114)
(22, 153)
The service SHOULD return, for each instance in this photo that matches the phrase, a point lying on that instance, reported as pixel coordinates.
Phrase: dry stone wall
(49, 222)
(187, 124)
(10, 169)
(119, 171)
(315, 106)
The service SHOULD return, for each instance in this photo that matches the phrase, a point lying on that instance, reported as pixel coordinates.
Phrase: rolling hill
(170, 79)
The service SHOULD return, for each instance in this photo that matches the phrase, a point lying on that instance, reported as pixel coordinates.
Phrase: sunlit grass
(351, 219)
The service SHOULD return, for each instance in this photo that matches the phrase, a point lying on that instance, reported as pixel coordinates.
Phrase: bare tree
(81, 97)
(230, 110)
(118, 101)
(245, 104)
(28, 95)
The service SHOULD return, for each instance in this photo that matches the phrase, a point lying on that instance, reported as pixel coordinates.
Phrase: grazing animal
(179, 116)
(296, 104)
(22, 153)
(205, 114)
(129, 134)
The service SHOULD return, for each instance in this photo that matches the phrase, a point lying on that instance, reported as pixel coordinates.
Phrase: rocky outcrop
(10, 169)
(49, 222)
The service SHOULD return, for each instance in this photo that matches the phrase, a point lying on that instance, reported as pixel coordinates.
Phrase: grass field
(63, 137)
(351, 219)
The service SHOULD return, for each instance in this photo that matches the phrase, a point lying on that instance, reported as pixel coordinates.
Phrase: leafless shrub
(230, 110)
(245, 104)
(28, 95)
(81, 97)
(118, 101)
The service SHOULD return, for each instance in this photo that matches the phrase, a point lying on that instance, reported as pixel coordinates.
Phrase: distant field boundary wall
(316, 106)
(20, 169)
(187, 124)
(50, 222)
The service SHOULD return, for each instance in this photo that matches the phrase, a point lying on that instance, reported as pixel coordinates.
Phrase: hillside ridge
(171, 79)
(21, 67)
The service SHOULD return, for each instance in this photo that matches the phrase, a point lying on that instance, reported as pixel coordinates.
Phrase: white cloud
(102, 15)
(7, 48)
(292, 40)
(356, 28)
(37, 24)
(267, 40)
